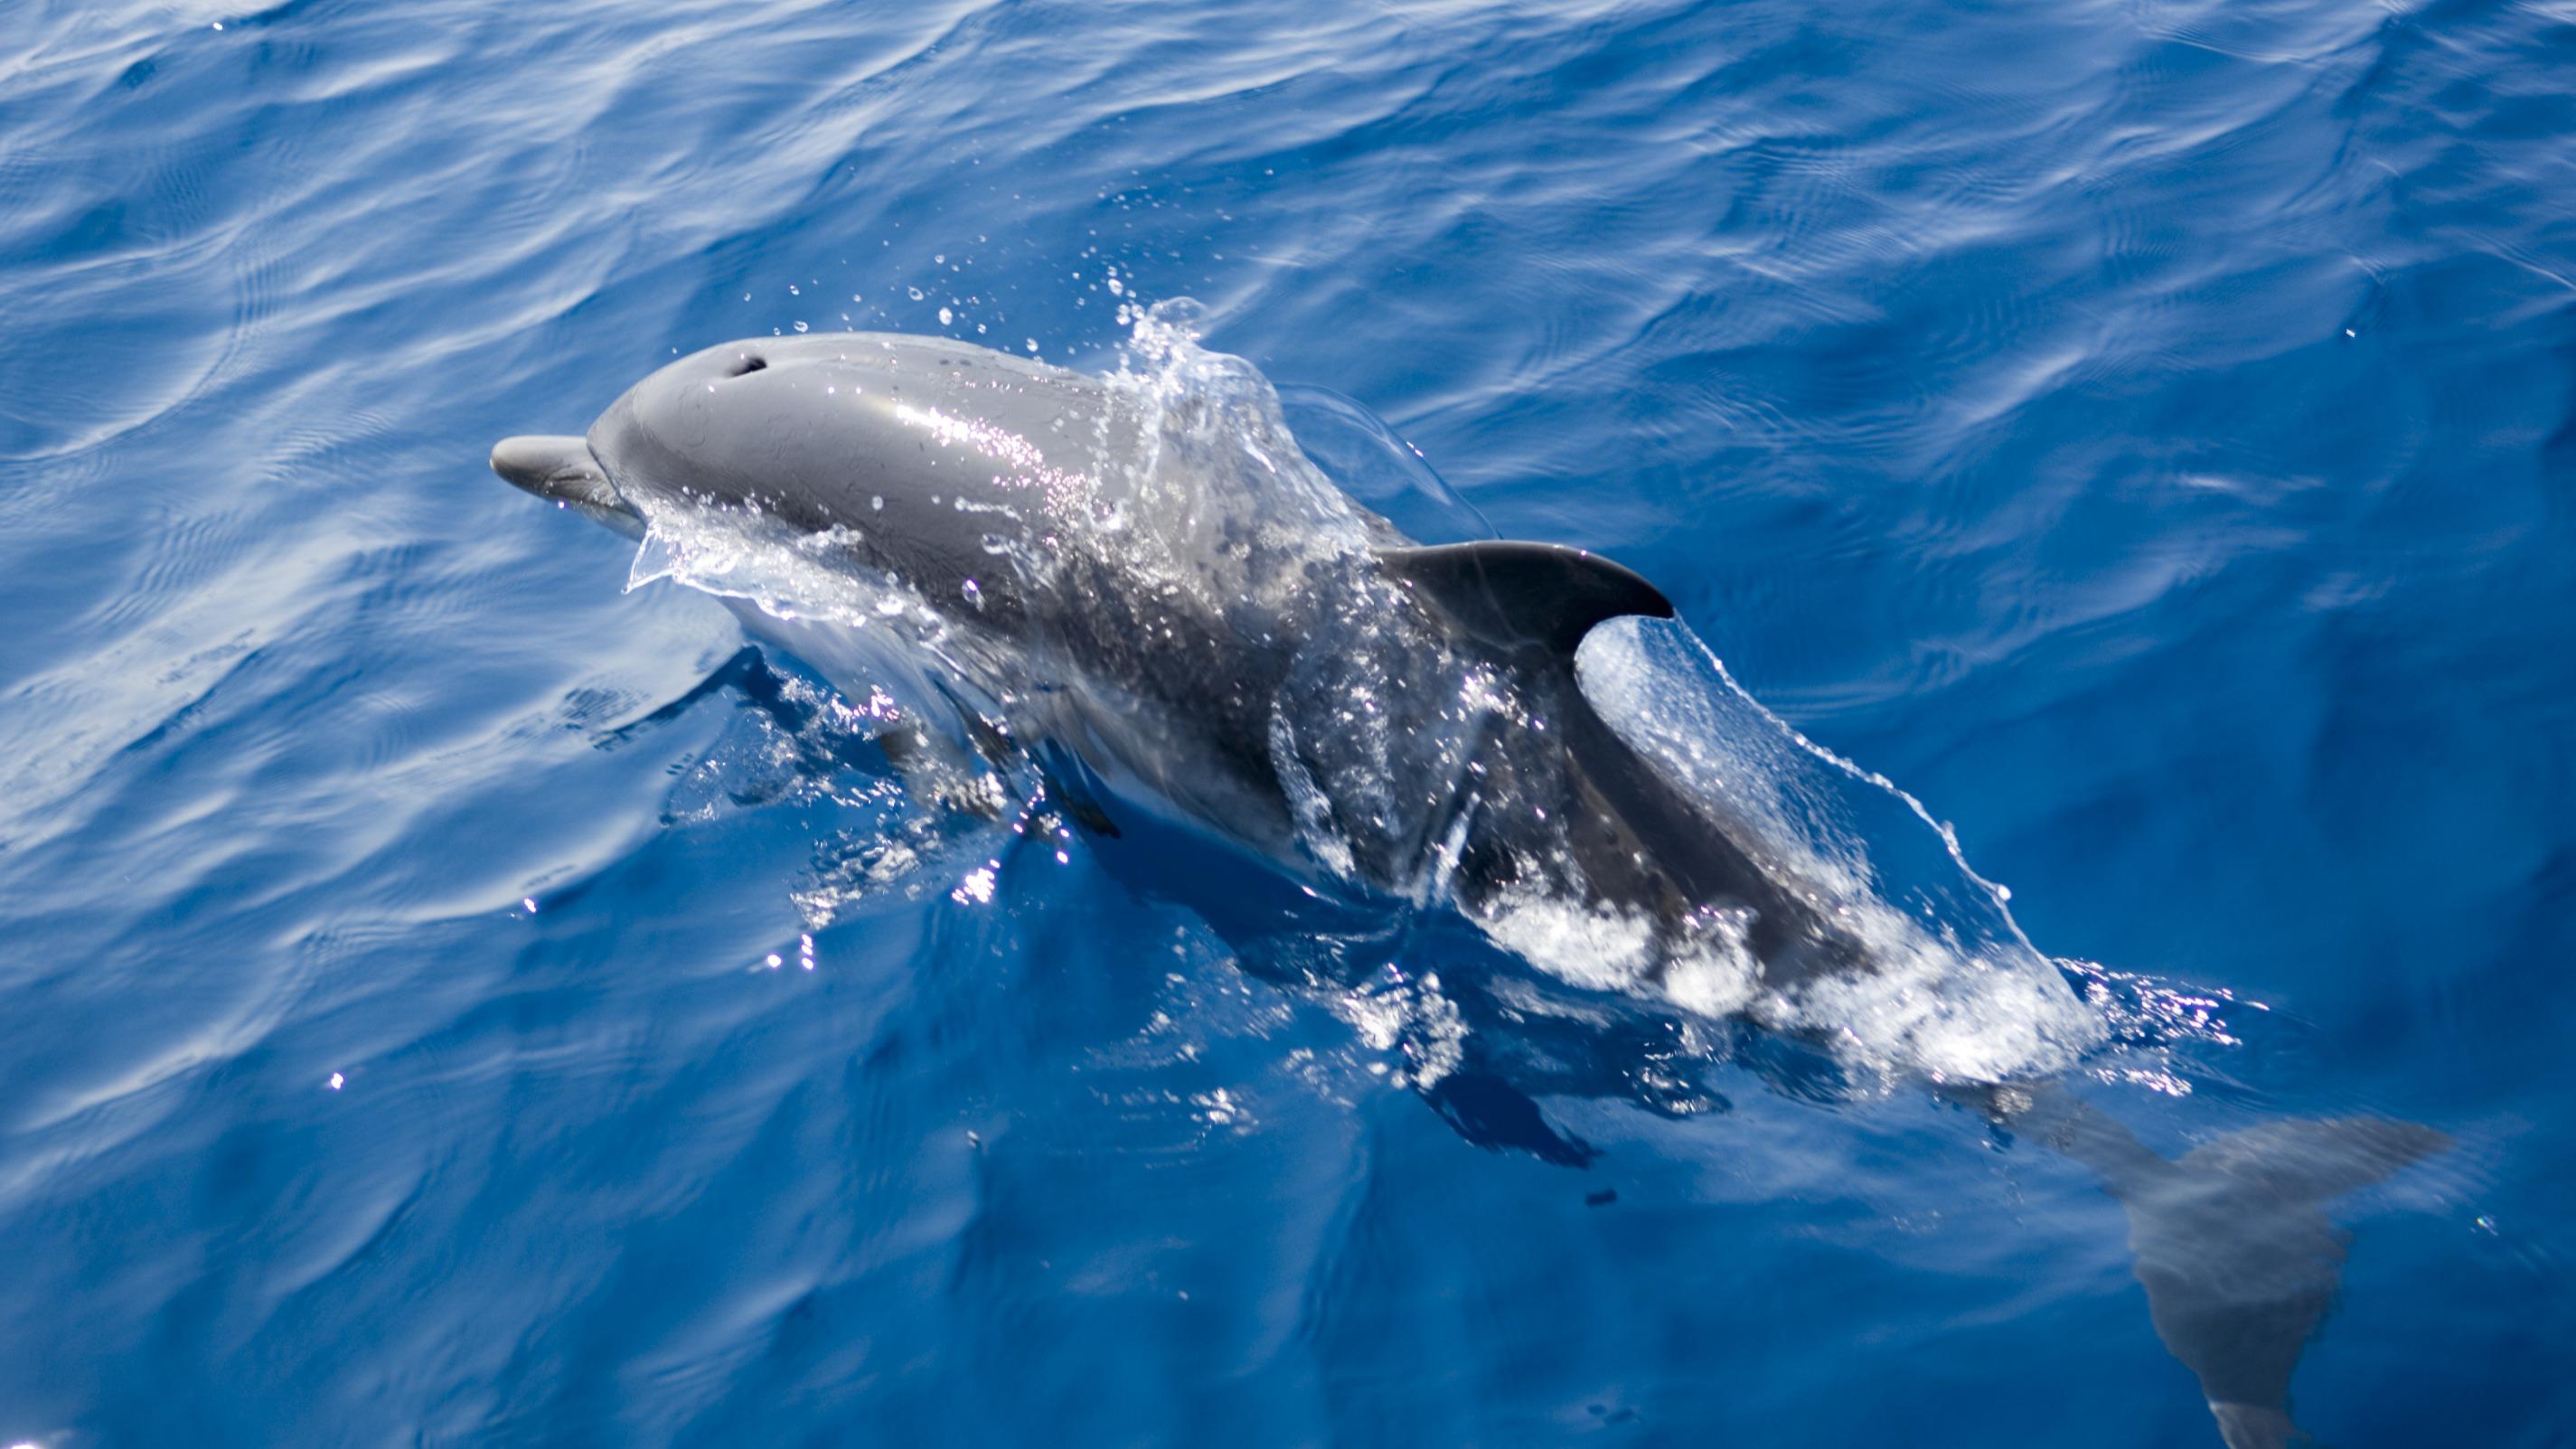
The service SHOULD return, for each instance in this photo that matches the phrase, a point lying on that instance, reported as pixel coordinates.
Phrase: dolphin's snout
(560, 468)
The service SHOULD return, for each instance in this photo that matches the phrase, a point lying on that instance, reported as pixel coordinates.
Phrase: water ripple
(2141, 429)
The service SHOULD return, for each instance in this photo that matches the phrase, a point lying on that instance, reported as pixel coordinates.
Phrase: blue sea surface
(2143, 431)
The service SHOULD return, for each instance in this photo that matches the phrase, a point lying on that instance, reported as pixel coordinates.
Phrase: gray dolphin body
(1210, 646)
(1202, 627)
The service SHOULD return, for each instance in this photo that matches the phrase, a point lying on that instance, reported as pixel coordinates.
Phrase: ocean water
(451, 998)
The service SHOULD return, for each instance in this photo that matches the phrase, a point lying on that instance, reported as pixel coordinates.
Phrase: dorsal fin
(1512, 593)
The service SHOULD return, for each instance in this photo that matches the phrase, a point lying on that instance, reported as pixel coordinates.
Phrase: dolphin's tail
(2232, 1243)
(2246, 1427)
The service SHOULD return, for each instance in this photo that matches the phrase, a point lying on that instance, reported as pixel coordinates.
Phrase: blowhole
(747, 363)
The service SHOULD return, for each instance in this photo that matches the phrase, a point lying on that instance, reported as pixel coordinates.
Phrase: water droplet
(337, 1080)
(946, 317)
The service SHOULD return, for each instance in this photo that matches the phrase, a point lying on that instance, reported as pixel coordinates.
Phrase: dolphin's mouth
(561, 467)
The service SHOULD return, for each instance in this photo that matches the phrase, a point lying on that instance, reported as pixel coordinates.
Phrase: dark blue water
(2146, 432)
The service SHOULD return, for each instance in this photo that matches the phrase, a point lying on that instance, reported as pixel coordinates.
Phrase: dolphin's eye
(748, 362)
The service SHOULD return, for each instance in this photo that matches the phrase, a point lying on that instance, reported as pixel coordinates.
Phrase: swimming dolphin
(1180, 620)
(1150, 594)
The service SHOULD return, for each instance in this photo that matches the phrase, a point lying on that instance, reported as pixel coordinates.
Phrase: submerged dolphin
(1168, 603)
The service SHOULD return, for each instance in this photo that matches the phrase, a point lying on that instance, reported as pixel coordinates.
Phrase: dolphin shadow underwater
(1136, 589)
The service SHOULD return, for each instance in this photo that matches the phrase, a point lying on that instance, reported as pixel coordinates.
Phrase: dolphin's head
(923, 455)
(694, 430)
(761, 422)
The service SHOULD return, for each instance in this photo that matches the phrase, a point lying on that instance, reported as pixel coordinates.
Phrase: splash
(1955, 990)
(741, 554)
(1358, 451)
(1710, 970)
(1213, 473)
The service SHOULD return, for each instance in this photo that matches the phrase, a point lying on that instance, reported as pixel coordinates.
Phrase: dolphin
(1008, 495)
(1154, 601)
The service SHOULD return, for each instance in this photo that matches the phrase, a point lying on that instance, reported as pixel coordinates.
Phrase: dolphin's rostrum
(1183, 608)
